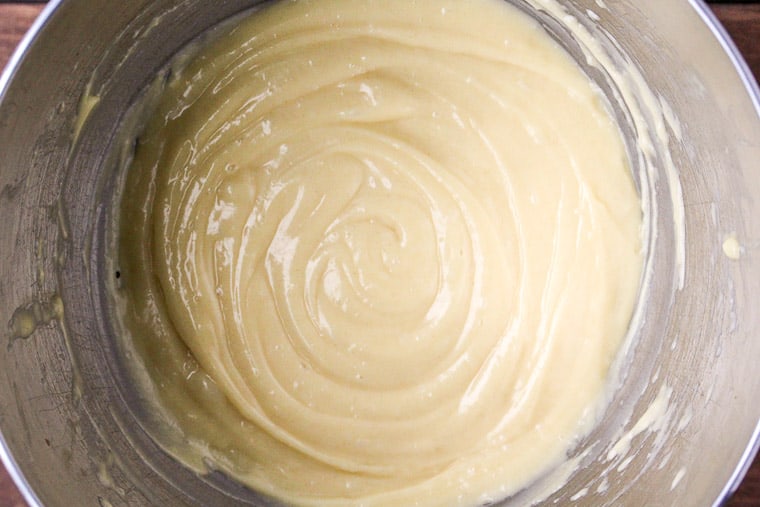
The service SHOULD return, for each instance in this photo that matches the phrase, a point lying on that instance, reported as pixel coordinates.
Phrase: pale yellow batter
(379, 252)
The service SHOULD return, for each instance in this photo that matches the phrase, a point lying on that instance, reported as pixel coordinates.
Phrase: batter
(379, 252)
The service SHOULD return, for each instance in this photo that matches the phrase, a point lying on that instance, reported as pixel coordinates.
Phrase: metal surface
(67, 414)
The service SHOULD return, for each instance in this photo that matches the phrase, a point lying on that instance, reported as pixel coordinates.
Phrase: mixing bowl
(682, 426)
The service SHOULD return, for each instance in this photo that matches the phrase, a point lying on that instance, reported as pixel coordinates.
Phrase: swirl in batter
(380, 252)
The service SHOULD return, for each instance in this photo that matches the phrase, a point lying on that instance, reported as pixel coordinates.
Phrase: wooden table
(741, 20)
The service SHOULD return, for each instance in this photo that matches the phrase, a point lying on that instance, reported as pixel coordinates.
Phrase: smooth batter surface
(379, 252)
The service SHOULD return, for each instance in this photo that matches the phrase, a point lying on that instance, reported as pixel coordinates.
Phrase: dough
(379, 252)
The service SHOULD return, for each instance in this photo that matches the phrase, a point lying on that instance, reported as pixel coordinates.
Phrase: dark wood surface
(742, 21)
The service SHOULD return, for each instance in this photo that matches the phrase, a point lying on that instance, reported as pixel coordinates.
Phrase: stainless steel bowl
(682, 427)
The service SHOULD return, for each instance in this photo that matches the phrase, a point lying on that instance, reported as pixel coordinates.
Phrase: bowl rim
(729, 48)
(700, 7)
(6, 76)
(752, 87)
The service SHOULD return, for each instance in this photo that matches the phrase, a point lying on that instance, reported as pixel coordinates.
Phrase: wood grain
(742, 21)
(15, 19)
(9, 495)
